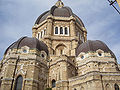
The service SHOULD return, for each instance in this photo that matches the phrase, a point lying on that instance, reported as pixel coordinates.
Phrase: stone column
(34, 32)
(49, 25)
(49, 32)
(73, 34)
(85, 34)
(72, 27)
(63, 71)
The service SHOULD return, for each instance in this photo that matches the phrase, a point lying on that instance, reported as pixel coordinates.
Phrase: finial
(59, 3)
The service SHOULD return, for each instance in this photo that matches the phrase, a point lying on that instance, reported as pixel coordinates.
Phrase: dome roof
(59, 10)
(32, 43)
(93, 46)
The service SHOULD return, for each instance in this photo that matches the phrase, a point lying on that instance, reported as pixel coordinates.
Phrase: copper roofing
(57, 11)
(93, 46)
(32, 43)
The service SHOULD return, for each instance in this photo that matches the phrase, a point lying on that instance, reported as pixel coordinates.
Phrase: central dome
(59, 10)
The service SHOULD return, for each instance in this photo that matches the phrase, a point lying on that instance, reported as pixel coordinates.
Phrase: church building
(58, 56)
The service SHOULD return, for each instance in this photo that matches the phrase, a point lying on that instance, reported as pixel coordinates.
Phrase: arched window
(107, 87)
(56, 30)
(60, 49)
(53, 52)
(61, 30)
(66, 31)
(53, 83)
(116, 87)
(18, 83)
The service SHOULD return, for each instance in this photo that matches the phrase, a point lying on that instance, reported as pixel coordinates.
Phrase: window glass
(41, 34)
(61, 52)
(66, 31)
(61, 30)
(53, 52)
(116, 87)
(38, 35)
(56, 30)
(100, 54)
(53, 83)
(18, 84)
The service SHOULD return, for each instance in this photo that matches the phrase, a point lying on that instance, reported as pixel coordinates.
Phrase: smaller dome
(93, 46)
(32, 43)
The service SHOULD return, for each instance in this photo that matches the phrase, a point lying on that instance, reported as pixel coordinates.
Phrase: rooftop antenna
(112, 4)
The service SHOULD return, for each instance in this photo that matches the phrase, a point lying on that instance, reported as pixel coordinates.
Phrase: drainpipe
(16, 63)
(102, 82)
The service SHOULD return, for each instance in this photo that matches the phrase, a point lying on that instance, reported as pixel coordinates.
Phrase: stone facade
(30, 66)
(68, 65)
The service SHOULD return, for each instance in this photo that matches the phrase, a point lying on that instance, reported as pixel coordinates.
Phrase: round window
(43, 55)
(24, 50)
(100, 54)
(82, 57)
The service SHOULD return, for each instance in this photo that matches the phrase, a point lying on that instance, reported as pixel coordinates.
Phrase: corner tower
(60, 29)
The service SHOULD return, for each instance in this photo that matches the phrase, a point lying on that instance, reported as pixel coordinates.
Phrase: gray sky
(18, 16)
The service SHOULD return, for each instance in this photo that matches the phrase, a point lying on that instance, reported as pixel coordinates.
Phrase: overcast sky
(18, 16)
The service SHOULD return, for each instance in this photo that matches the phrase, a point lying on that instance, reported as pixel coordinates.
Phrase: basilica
(58, 56)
